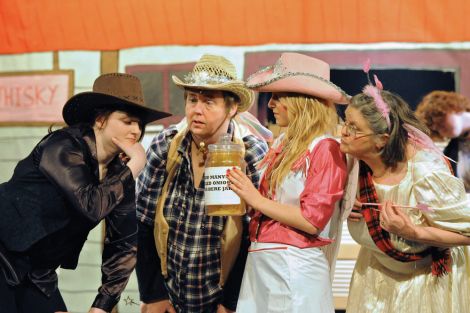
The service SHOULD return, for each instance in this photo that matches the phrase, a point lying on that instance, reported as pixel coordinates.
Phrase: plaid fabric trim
(381, 237)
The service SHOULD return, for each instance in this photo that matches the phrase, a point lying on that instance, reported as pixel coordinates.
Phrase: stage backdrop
(52, 25)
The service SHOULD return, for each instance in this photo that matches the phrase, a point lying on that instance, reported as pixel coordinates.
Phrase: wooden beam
(109, 61)
(109, 64)
(55, 60)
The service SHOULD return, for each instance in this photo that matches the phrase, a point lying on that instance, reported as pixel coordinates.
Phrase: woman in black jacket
(74, 178)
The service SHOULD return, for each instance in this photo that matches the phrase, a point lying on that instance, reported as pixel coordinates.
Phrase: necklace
(201, 150)
(202, 147)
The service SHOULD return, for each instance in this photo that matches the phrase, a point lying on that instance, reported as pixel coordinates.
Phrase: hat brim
(80, 108)
(304, 83)
(237, 87)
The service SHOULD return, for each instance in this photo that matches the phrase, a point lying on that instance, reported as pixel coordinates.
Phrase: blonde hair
(309, 118)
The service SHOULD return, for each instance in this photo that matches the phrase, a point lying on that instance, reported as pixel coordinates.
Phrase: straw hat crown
(214, 72)
(216, 66)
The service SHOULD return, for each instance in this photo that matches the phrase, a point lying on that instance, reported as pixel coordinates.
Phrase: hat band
(277, 77)
(205, 78)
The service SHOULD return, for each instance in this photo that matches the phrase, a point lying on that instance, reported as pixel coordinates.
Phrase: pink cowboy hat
(294, 72)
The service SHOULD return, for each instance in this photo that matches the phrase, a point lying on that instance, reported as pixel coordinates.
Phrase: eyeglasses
(352, 131)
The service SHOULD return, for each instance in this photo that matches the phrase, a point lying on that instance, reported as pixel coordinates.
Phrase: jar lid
(225, 144)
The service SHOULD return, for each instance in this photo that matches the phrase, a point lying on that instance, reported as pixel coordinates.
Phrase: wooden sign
(32, 98)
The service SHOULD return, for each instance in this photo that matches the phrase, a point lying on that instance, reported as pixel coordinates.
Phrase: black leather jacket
(53, 201)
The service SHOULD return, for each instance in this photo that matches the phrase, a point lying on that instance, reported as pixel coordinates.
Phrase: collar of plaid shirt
(440, 258)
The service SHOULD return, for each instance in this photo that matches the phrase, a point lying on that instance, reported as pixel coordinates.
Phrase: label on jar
(217, 191)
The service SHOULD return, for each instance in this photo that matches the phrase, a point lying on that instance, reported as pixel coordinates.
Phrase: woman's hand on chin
(136, 154)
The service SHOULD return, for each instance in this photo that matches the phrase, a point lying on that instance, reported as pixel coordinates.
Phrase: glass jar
(220, 200)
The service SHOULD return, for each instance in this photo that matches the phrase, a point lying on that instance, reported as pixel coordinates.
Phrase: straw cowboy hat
(214, 72)
(294, 72)
(115, 91)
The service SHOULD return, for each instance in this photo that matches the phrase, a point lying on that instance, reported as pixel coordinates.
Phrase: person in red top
(304, 175)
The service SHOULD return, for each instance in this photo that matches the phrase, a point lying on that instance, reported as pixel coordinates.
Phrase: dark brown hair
(106, 112)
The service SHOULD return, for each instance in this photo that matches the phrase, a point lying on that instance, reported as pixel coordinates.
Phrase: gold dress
(381, 284)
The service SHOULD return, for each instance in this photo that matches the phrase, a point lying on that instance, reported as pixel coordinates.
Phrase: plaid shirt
(194, 238)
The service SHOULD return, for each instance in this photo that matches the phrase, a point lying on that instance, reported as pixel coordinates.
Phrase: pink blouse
(317, 194)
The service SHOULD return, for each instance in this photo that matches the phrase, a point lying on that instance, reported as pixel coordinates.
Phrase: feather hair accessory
(378, 83)
(374, 92)
(379, 102)
(422, 141)
(416, 136)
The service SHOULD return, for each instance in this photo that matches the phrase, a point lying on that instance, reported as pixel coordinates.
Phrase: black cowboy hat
(114, 91)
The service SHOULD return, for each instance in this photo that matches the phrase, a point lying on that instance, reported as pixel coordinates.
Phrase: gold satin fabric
(381, 284)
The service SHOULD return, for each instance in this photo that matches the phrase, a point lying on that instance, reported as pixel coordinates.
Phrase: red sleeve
(325, 182)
